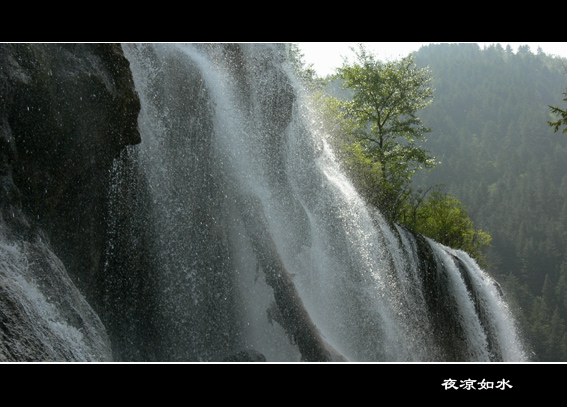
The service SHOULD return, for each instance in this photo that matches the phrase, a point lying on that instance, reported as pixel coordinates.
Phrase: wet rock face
(66, 111)
(69, 108)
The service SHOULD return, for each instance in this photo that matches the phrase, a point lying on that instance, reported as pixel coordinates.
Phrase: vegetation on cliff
(502, 169)
(369, 110)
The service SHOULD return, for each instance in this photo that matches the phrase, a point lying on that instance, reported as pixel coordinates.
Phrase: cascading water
(262, 244)
(46, 316)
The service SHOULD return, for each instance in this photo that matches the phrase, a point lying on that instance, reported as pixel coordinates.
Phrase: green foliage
(364, 172)
(383, 175)
(443, 218)
(382, 127)
(490, 122)
(382, 111)
(562, 120)
(491, 126)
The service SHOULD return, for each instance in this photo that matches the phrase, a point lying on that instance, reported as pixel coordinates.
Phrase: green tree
(364, 172)
(562, 117)
(436, 215)
(382, 115)
(443, 218)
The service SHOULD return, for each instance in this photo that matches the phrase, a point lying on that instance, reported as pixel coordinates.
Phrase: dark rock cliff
(66, 112)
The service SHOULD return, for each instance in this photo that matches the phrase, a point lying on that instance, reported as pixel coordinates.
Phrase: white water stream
(222, 126)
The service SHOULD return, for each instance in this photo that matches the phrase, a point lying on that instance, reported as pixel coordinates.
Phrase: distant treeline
(507, 166)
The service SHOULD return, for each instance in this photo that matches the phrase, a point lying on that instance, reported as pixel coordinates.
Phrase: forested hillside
(503, 161)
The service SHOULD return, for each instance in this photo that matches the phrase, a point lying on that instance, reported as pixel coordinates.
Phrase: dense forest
(499, 157)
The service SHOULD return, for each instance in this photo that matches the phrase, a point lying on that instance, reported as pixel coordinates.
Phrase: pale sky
(326, 56)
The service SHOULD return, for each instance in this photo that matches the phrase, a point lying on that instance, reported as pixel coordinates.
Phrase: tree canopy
(445, 219)
(382, 114)
(562, 117)
(369, 111)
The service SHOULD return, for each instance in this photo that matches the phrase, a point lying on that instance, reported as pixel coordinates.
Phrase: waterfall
(264, 250)
(45, 316)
